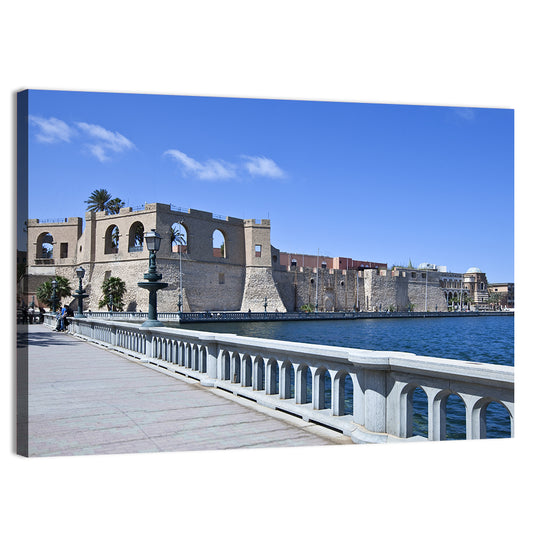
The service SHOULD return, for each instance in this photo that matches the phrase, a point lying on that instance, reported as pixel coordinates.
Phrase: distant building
(505, 298)
(430, 266)
(291, 259)
(475, 282)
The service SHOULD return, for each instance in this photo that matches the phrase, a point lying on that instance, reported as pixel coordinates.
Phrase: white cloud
(211, 170)
(105, 141)
(51, 130)
(262, 166)
(218, 169)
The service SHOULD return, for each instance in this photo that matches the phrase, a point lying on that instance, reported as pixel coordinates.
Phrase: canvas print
(207, 273)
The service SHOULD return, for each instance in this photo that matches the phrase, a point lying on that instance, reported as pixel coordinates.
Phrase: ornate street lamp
(265, 304)
(54, 298)
(153, 242)
(180, 248)
(80, 293)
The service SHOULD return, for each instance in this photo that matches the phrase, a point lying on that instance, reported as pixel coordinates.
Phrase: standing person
(63, 318)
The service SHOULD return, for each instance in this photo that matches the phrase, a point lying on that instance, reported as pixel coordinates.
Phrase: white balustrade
(292, 377)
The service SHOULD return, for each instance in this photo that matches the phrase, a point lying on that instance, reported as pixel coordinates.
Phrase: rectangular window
(63, 252)
(257, 250)
(221, 279)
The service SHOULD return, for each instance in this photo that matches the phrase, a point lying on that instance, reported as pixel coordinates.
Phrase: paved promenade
(84, 399)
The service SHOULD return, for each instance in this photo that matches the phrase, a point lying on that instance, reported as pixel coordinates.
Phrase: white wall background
(413, 52)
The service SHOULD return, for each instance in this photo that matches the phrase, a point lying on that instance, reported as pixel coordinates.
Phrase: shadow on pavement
(39, 338)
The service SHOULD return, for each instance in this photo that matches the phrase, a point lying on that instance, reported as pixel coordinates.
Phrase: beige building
(225, 262)
(501, 295)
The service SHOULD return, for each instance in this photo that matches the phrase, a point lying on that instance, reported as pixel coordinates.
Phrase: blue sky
(378, 182)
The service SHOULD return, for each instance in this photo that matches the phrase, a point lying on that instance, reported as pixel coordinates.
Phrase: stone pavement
(84, 399)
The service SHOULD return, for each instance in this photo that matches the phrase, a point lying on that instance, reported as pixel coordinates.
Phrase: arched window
(178, 238)
(219, 244)
(111, 240)
(45, 246)
(136, 237)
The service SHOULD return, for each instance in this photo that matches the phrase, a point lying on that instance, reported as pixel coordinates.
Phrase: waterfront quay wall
(294, 316)
(264, 370)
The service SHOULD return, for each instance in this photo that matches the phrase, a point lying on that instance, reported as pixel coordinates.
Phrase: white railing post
(318, 388)
(258, 369)
(270, 378)
(212, 356)
(375, 401)
(436, 415)
(337, 392)
(300, 383)
(284, 371)
(358, 396)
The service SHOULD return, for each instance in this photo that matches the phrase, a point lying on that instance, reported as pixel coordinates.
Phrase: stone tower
(258, 283)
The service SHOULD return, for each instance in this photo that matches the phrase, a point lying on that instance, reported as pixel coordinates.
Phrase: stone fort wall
(366, 290)
(238, 278)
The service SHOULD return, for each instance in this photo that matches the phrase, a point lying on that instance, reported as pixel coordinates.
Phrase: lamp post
(54, 298)
(317, 274)
(153, 242)
(180, 248)
(265, 304)
(110, 302)
(426, 290)
(80, 293)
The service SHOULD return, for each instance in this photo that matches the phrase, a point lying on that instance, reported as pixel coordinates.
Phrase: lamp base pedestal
(150, 323)
(152, 287)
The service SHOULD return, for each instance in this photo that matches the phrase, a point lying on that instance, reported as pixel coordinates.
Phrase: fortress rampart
(226, 264)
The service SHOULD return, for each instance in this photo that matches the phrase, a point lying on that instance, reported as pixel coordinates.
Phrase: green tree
(21, 271)
(114, 206)
(44, 290)
(98, 201)
(176, 236)
(307, 308)
(495, 299)
(116, 287)
(101, 200)
(138, 235)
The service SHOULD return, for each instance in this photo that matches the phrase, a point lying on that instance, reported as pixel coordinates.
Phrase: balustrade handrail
(382, 380)
(398, 361)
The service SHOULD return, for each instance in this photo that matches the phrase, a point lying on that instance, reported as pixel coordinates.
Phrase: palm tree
(44, 290)
(176, 236)
(114, 206)
(98, 201)
(138, 234)
(115, 287)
